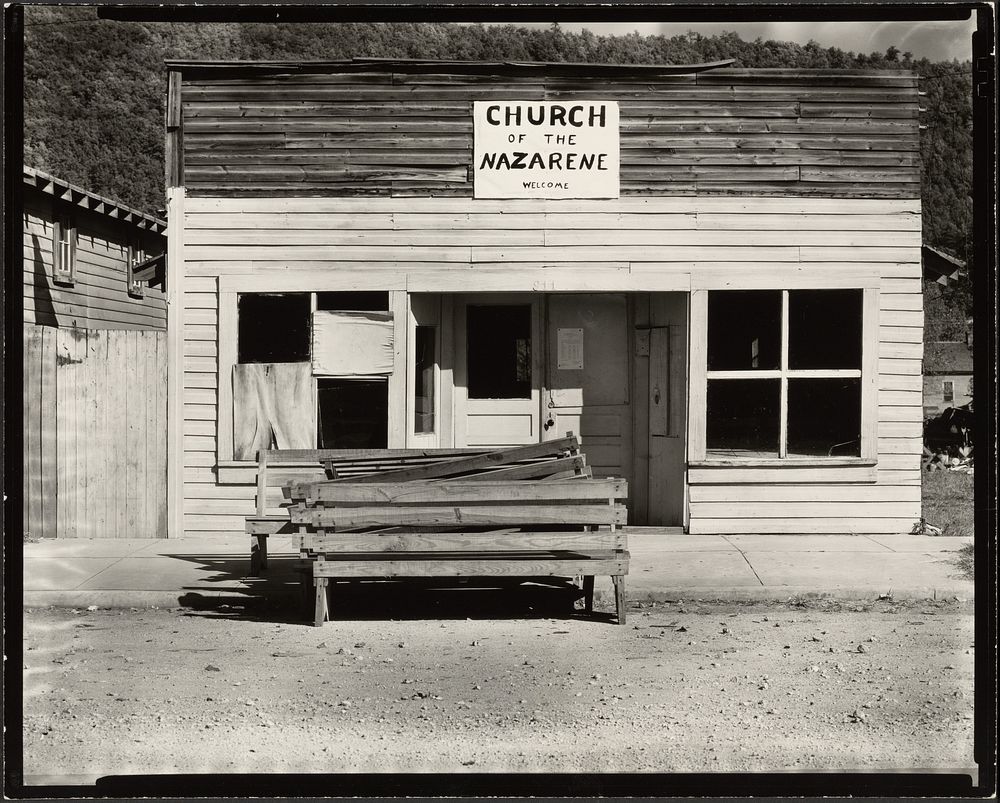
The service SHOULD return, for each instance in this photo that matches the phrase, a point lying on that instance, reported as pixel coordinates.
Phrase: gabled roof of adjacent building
(947, 357)
(940, 267)
(85, 199)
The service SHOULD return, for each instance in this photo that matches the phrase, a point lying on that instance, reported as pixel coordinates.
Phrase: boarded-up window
(352, 343)
(273, 408)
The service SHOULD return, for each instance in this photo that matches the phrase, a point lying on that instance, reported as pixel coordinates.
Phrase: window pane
(499, 351)
(353, 413)
(742, 417)
(353, 300)
(273, 327)
(423, 380)
(744, 329)
(824, 417)
(824, 328)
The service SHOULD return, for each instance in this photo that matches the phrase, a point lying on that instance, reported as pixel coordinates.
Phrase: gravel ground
(683, 687)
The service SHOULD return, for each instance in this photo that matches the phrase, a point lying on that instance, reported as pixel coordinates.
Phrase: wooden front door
(497, 370)
(657, 496)
(587, 378)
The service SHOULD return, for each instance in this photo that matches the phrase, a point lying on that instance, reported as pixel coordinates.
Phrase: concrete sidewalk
(113, 573)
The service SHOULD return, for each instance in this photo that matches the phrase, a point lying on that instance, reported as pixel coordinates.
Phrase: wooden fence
(95, 433)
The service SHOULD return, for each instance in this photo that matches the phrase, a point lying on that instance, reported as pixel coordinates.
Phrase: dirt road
(682, 687)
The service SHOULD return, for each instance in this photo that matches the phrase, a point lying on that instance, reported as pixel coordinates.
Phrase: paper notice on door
(569, 349)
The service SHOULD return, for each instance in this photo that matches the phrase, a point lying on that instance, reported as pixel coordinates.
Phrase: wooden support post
(262, 550)
(588, 593)
(619, 581)
(321, 609)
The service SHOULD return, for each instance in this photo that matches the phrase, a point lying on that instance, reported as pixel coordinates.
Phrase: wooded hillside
(94, 95)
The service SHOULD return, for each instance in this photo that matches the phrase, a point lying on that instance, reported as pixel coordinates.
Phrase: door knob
(656, 395)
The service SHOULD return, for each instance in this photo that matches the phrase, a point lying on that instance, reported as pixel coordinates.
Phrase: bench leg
(619, 581)
(258, 554)
(588, 593)
(321, 611)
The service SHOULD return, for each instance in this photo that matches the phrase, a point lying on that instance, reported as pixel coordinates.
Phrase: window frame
(64, 238)
(698, 454)
(230, 287)
(948, 390)
(135, 255)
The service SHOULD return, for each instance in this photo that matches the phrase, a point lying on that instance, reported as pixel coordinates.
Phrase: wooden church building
(712, 275)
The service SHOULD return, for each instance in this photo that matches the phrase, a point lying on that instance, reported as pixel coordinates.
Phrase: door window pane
(353, 413)
(824, 417)
(273, 327)
(744, 330)
(423, 379)
(742, 417)
(499, 351)
(824, 329)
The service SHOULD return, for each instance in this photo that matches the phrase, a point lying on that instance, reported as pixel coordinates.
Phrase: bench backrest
(340, 506)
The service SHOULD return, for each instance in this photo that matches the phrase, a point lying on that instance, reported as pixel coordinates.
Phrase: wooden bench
(463, 528)
(279, 468)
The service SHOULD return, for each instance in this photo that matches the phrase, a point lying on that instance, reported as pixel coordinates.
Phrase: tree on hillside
(94, 92)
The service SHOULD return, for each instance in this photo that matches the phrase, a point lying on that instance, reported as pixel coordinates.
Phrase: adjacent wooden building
(712, 275)
(95, 357)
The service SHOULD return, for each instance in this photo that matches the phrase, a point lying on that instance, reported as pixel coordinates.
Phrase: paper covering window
(352, 343)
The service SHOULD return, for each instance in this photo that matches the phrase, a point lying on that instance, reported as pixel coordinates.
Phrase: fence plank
(161, 433)
(134, 462)
(48, 412)
(99, 492)
(117, 364)
(32, 430)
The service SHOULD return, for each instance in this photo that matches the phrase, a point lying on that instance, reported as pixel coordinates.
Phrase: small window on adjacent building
(784, 373)
(64, 250)
(423, 379)
(948, 390)
(499, 351)
(136, 256)
(273, 328)
(353, 413)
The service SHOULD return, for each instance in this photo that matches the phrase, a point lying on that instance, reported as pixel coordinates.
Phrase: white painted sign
(569, 349)
(546, 149)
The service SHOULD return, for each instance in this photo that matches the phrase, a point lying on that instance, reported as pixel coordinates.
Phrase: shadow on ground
(227, 591)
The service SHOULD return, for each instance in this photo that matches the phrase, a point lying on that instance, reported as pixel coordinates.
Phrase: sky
(937, 41)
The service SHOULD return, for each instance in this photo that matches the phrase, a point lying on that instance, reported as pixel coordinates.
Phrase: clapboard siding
(99, 297)
(400, 243)
(725, 131)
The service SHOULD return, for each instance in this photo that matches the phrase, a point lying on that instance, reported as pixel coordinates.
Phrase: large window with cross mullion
(784, 374)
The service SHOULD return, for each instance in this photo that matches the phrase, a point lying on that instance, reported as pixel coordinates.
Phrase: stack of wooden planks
(531, 511)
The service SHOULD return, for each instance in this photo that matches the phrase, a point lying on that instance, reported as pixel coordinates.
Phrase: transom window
(784, 373)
